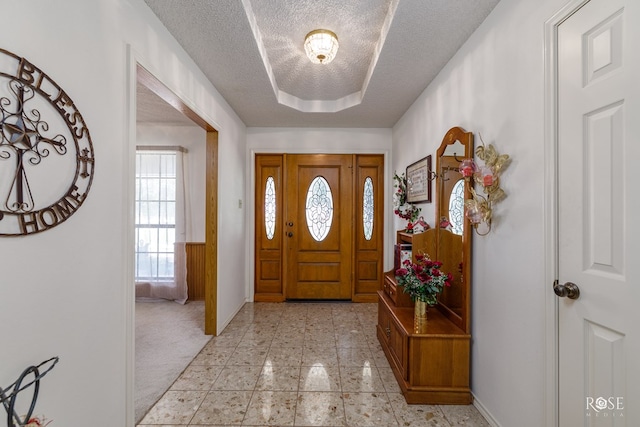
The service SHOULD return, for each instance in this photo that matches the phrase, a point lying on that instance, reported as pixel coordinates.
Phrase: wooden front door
(319, 220)
(319, 226)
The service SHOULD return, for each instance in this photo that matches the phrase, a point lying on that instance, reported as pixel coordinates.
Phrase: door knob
(290, 224)
(569, 290)
(290, 234)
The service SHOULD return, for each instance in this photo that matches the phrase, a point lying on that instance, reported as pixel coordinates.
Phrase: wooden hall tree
(431, 361)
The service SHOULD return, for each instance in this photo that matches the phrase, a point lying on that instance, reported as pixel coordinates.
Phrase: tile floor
(297, 364)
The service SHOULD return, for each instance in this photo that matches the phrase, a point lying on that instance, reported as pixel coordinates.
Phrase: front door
(318, 226)
(599, 207)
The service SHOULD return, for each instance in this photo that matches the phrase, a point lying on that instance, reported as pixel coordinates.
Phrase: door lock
(569, 290)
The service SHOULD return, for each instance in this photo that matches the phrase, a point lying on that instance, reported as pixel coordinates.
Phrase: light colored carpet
(168, 336)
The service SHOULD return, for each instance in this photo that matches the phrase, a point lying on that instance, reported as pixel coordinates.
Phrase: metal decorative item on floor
(9, 395)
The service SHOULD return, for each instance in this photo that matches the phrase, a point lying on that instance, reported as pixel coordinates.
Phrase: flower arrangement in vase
(423, 280)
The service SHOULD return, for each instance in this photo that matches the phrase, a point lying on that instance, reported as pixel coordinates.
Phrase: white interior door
(599, 214)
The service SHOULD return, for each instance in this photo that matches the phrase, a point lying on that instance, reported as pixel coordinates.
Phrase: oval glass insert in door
(319, 208)
(367, 208)
(270, 207)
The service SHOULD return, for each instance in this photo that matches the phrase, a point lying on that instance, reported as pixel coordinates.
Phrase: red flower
(402, 272)
(423, 280)
(449, 280)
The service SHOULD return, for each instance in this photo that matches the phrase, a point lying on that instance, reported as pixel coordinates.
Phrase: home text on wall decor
(46, 154)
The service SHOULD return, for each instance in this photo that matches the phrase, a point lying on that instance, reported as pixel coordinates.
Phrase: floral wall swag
(401, 207)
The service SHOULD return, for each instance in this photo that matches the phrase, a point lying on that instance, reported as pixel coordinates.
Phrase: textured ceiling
(252, 52)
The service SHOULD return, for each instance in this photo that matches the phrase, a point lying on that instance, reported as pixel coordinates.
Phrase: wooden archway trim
(145, 78)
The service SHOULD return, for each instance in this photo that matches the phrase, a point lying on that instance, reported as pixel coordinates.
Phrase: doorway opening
(201, 316)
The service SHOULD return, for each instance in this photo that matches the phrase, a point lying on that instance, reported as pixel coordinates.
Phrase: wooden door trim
(211, 236)
(354, 246)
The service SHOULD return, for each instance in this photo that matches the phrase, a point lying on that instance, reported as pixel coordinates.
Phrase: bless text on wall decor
(46, 154)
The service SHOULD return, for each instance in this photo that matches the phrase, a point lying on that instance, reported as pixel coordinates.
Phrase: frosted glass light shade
(321, 46)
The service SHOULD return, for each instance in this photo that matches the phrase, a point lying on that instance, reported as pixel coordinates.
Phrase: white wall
(193, 138)
(69, 290)
(494, 86)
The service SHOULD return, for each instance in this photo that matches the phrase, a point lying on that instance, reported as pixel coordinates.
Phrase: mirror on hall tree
(453, 232)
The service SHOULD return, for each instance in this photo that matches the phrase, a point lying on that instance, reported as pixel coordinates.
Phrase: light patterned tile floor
(297, 364)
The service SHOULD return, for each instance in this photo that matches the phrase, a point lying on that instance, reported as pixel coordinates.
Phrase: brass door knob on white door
(569, 290)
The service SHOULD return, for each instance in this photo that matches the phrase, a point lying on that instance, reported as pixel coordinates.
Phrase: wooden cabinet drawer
(395, 293)
(391, 289)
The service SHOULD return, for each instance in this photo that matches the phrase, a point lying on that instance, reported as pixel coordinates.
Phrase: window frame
(163, 250)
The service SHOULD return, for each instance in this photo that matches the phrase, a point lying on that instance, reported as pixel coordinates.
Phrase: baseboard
(485, 412)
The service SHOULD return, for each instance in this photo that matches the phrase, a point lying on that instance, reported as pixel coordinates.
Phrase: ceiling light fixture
(321, 46)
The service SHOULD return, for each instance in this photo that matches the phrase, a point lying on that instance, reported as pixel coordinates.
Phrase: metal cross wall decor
(37, 119)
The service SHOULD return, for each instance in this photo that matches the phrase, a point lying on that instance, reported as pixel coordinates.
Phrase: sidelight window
(367, 208)
(270, 208)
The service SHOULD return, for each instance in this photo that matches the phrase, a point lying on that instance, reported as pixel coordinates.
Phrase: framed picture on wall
(418, 182)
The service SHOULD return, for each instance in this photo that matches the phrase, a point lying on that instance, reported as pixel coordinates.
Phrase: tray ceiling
(252, 52)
